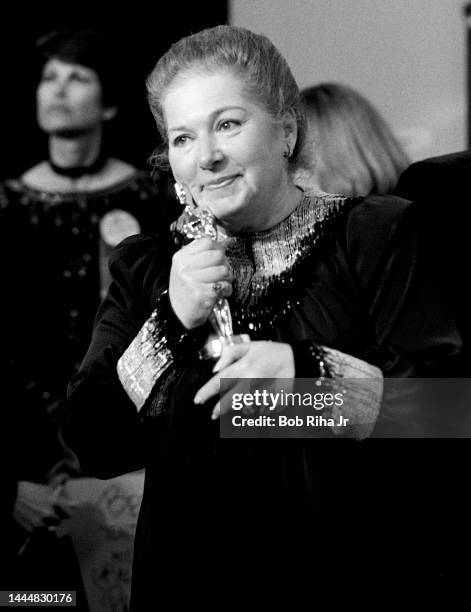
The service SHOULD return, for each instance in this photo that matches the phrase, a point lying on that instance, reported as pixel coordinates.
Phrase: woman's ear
(290, 130)
(109, 113)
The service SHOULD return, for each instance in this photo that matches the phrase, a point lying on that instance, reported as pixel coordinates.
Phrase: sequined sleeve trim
(362, 400)
(359, 383)
(152, 352)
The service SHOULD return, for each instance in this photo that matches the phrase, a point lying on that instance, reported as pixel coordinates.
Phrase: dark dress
(285, 515)
(54, 248)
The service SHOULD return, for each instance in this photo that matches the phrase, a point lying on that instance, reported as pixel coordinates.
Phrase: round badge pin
(117, 225)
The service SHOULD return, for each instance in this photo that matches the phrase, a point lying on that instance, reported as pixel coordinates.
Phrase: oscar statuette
(199, 222)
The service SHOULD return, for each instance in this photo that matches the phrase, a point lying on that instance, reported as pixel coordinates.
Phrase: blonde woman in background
(354, 151)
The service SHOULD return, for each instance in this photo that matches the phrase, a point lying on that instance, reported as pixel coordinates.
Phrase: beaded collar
(270, 267)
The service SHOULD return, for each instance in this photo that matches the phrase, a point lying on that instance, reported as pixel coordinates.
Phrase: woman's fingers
(207, 391)
(200, 275)
(223, 407)
(201, 244)
(216, 413)
(62, 504)
(230, 355)
(212, 274)
(240, 364)
(221, 289)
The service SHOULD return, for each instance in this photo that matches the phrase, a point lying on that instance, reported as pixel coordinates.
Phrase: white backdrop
(406, 56)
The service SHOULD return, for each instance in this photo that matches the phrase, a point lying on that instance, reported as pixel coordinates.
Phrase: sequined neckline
(260, 258)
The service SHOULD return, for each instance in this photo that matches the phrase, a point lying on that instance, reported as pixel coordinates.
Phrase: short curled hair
(88, 48)
(253, 57)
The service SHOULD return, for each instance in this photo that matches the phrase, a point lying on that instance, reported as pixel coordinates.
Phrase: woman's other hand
(272, 360)
(38, 505)
(196, 268)
(63, 470)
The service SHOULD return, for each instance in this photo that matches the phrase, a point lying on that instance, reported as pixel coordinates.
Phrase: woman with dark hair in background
(327, 286)
(59, 222)
(353, 150)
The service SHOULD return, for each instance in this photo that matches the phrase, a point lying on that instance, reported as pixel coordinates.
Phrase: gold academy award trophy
(199, 222)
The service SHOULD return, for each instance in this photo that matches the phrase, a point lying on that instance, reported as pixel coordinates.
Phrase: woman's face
(69, 98)
(226, 149)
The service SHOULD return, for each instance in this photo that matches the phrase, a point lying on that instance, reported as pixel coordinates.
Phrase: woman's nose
(60, 87)
(209, 153)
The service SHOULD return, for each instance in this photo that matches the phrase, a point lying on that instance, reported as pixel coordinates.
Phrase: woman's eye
(179, 141)
(228, 124)
(81, 78)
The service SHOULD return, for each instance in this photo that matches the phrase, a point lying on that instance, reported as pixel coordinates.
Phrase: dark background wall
(142, 33)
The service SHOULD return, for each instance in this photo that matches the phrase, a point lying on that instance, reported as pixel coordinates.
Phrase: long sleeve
(153, 356)
(413, 325)
(380, 301)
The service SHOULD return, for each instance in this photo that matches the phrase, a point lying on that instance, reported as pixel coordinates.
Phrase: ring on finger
(218, 288)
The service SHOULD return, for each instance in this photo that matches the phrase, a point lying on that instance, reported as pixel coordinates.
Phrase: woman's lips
(221, 183)
(58, 108)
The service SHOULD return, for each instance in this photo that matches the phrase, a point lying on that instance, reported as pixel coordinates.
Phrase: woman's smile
(228, 151)
(220, 183)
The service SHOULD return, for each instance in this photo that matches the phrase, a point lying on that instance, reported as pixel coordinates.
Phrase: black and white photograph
(235, 305)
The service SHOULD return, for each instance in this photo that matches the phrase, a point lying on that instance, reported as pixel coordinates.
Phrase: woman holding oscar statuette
(324, 286)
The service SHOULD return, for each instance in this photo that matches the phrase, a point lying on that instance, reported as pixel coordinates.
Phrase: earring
(287, 152)
(181, 193)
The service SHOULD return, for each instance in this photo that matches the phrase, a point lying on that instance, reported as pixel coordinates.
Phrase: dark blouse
(54, 252)
(363, 288)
